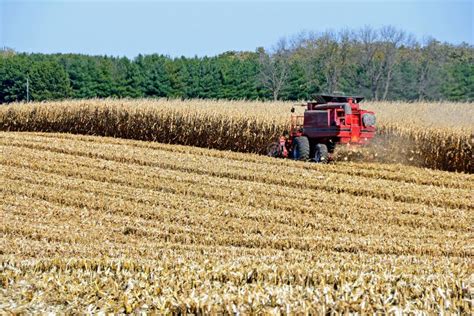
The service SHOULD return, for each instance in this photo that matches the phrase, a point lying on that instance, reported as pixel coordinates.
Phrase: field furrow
(370, 170)
(102, 224)
(238, 191)
(359, 186)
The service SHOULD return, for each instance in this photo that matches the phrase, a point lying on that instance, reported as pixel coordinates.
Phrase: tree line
(380, 64)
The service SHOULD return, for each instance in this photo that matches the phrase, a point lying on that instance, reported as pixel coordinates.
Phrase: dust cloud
(382, 149)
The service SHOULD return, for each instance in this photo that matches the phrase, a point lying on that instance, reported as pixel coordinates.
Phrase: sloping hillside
(93, 223)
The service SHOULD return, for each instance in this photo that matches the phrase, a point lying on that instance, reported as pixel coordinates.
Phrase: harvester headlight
(368, 119)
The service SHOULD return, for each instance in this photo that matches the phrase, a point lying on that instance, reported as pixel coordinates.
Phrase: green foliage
(297, 87)
(48, 81)
(155, 75)
(13, 74)
(459, 85)
(321, 65)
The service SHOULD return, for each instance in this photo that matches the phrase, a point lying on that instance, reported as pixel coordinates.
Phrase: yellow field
(95, 223)
(432, 135)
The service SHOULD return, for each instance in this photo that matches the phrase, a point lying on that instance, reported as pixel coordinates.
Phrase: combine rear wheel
(301, 148)
(274, 150)
(321, 153)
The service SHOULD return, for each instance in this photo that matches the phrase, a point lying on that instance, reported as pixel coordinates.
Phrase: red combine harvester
(327, 121)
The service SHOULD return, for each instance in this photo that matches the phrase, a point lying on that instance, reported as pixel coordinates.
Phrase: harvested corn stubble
(95, 224)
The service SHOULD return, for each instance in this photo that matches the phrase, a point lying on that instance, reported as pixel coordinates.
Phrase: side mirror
(292, 109)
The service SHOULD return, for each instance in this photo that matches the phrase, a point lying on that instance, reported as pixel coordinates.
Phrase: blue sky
(200, 28)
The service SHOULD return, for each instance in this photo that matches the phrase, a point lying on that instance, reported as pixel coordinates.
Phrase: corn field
(93, 224)
(431, 135)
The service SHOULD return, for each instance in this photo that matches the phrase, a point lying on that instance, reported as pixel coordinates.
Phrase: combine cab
(327, 122)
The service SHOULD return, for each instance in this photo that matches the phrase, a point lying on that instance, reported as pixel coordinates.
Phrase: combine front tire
(321, 153)
(301, 148)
